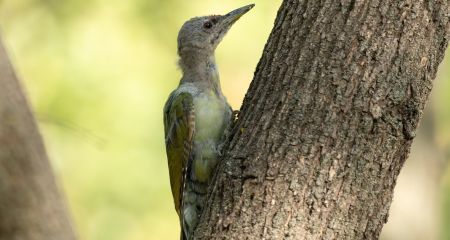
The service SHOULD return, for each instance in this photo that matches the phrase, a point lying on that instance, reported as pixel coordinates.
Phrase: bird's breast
(212, 115)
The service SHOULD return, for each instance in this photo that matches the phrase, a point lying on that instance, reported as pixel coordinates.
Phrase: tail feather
(183, 233)
(182, 236)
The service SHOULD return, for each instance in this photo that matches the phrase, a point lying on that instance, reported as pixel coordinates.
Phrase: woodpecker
(196, 115)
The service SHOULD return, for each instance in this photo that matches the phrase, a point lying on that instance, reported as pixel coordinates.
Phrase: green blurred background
(98, 73)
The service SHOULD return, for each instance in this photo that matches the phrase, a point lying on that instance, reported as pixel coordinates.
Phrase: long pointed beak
(234, 15)
(226, 21)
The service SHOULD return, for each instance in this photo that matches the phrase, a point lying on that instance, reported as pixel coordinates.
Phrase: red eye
(207, 25)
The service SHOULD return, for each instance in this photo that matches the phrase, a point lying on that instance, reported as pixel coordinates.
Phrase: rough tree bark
(31, 207)
(328, 120)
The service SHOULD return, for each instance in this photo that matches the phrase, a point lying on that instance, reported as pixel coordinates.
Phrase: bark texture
(328, 120)
(31, 207)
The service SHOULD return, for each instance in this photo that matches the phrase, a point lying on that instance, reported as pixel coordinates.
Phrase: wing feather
(179, 126)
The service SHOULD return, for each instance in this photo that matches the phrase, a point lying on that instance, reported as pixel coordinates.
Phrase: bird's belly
(211, 118)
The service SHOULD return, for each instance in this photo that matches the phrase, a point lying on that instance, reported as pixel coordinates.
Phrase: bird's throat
(201, 71)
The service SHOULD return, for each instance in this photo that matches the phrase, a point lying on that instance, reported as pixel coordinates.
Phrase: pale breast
(210, 114)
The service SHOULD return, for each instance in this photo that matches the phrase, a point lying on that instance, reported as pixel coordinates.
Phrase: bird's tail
(182, 237)
(183, 233)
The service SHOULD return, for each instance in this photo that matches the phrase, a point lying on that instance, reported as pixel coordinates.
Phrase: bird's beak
(234, 15)
(226, 21)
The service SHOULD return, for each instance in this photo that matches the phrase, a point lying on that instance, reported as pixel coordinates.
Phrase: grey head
(199, 36)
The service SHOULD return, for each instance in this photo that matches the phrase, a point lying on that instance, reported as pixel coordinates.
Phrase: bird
(197, 116)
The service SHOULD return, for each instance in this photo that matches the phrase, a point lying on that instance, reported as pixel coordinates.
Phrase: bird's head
(201, 35)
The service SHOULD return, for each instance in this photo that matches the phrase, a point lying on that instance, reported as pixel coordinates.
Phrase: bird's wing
(179, 126)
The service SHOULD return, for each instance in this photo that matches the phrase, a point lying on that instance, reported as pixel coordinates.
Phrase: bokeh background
(98, 73)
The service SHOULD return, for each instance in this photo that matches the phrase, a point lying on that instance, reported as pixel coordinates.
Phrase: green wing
(179, 126)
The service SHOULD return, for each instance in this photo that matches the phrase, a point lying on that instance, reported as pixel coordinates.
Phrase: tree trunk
(328, 120)
(31, 207)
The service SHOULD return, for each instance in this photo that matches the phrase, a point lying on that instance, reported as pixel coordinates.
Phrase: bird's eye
(207, 25)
